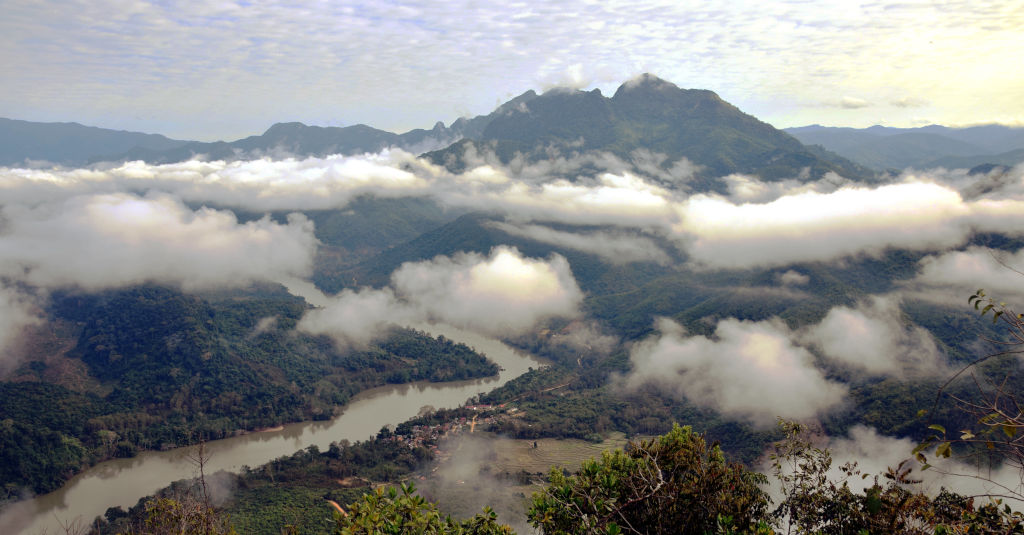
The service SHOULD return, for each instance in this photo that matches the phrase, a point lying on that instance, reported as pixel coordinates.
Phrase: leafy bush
(399, 512)
(672, 484)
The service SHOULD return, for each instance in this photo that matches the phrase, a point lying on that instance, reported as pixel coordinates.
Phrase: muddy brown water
(121, 482)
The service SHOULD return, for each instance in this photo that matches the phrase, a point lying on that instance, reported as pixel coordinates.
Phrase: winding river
(121, 482)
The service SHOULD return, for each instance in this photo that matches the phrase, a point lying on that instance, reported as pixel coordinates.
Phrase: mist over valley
(592, 260)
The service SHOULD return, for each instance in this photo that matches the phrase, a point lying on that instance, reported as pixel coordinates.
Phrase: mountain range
(645, 114)
(886, 148)
(807, 279)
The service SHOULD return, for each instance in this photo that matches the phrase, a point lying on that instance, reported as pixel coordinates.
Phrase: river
(121, 482)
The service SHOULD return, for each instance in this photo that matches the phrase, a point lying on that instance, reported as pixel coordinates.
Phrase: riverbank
(121, 482)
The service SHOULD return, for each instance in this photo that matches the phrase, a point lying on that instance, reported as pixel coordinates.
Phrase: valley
(598, 267)
(121, 482)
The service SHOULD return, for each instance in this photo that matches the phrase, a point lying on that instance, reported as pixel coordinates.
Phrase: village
(429, 436)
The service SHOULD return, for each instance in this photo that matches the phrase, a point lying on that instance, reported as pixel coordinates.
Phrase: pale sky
(224, 70)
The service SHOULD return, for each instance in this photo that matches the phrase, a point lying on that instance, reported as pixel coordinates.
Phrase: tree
(399, 512)
(169, 516)
(671, 484)
(995, 407)
(188, 510)
(813, 502)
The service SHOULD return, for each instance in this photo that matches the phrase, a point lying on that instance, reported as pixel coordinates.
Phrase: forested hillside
(669, 257)
(166, 369)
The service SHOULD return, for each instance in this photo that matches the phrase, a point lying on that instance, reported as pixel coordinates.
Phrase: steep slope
(649, 114)
(170, 368)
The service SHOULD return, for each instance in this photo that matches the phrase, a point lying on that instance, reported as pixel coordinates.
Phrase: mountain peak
(518, 103)
(651, 114)
(649, 91)
(283, 128)
(647, 82)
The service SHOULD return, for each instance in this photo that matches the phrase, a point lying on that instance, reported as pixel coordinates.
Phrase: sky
(225, 70)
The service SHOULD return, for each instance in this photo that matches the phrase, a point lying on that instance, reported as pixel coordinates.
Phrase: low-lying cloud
(355, 318)
(101, 241)
(961, 273)
(792, 278)
(748, 370)
(501, 294)
(814, 226)
(17, 311)
(134, 223)
(854, 220)
(874, 453)
(754, 224)
(750, 189)
(104, 241)
(615, 247)
(609, 199)
(873, 337)
(256, 185)
(763, 370)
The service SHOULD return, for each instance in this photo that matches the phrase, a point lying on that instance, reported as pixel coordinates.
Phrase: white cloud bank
(503, 293)
(960, 273)
(873, 453)
(104, 241)
(80, 227)
(763, 370)
(853, 220)
(874, 337)
(749, 370)
(756, 224)
(257, 185)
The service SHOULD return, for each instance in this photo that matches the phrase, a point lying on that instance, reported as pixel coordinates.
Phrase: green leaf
(944, 450)
(938, 428)
(1010, 430)
(966, 434)
(874, 503)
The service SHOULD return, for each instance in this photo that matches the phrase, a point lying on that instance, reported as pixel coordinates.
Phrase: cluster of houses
(429, 435)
